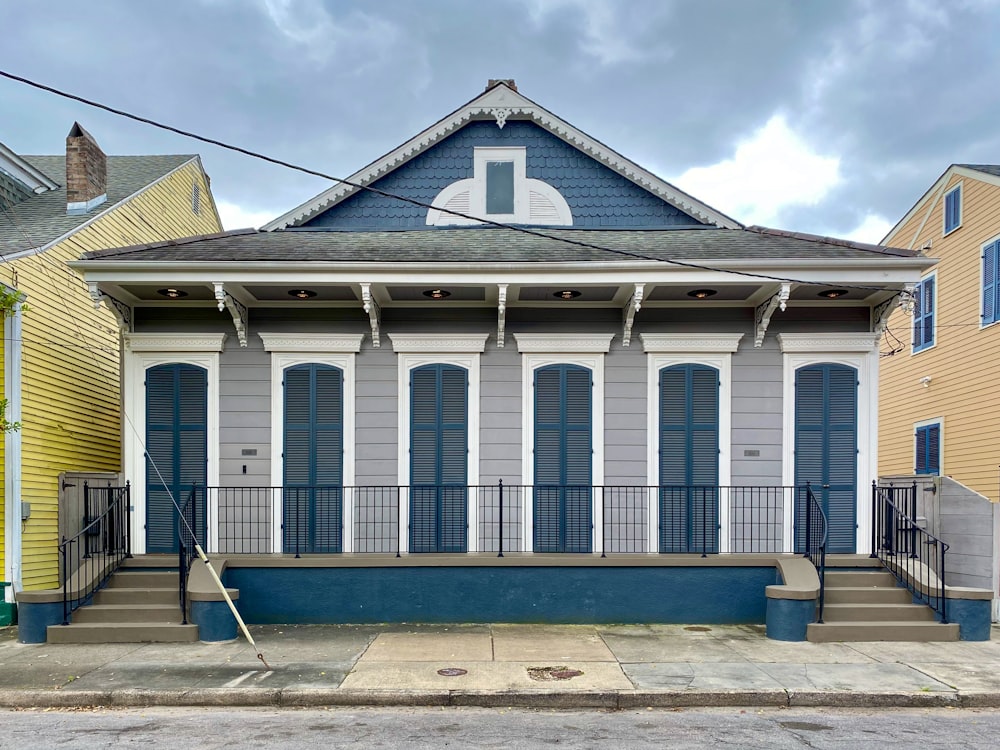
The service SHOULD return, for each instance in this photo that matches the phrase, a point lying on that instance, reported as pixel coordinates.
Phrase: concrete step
(151, 562)
(125, 632)
(867, 595)
(836, 578)
(144, 579)
(117, 613)
(852, 561)
(877, 613)
(923, 632)
(136, 597)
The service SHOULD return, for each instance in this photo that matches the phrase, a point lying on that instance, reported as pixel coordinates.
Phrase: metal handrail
(96, 552)
(816, 532)
(185, 550)
(914, 556)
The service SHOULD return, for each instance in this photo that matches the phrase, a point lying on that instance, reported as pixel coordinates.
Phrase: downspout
(12, 452)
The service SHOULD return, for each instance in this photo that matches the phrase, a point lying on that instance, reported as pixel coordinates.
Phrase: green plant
(9, 299)
(6, 426)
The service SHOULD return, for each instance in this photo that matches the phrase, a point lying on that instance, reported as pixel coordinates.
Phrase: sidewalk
(615, 666)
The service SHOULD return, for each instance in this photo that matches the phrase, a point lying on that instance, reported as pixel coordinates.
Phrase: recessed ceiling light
(302, 293)
(566, 294)
(437, 293)
(172, 293)
(702, 293)
(832, 293)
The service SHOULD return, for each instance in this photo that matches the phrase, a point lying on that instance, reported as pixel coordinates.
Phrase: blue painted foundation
(719, 595)
(972, 617)
(33, 620)
(215, 621)
(788, 619)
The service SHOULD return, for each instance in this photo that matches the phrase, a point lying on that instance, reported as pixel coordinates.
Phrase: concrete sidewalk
(615, 666)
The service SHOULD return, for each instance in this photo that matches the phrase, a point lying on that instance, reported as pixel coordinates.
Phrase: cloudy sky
(825, 116)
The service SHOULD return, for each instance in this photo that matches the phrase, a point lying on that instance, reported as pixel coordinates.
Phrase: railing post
(913, 520)
(807, 542)
(500, 515)
(604, 522)
(875, 516)
(399, 520)
(944, 592)
(65, 570)
(128, 519)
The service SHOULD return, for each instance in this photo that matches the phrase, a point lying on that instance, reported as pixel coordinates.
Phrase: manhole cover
(698, 629)
(452, 672)
(545, 674)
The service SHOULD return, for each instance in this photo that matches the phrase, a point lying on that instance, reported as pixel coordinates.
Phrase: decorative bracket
(236, 308)
(371, 307)
(121, 311)
(766, 309)
(501, 313)
(906, 298)
(501, 113)
(882, 311)
(628, 314)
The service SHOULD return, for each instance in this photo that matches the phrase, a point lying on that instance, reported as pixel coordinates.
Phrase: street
(207, 728)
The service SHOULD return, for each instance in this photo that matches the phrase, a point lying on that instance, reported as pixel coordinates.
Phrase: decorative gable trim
(502, 104)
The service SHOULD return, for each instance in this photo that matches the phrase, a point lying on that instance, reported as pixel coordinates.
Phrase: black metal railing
(814, 541)
(89, 558)
(913, 555)
(190, 532)
(692, 519)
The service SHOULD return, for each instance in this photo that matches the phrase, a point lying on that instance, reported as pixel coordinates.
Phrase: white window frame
(142, 352)
(667, 350)
(543, 350)
(291, 350)
(944, 209)
(418, 350)
(857, 350)
(939, 421)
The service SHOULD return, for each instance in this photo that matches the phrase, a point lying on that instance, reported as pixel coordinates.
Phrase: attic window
(500, 190)
(196, 198)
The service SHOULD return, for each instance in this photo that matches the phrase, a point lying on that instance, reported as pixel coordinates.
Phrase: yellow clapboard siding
(70, 357)
(962, 390)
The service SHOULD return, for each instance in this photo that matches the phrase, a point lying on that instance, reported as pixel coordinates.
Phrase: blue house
(504, 373)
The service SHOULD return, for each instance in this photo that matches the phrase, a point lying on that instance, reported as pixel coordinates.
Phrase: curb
(606, 699)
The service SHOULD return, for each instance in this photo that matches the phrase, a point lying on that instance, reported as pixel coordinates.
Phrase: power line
(412, 201)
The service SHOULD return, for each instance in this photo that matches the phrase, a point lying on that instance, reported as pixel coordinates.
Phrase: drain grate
(546, 674)
(452, 672)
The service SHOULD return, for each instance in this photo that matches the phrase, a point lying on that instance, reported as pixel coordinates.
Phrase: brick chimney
(508, 82)
(86, 172)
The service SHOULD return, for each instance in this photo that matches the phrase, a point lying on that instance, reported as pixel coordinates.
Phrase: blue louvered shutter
(563, 507)
(313, 459)
(689, 459)
(826, 448)
(439, 459)
(991, 289)
(928, 449)
(923, 314)
(177, 448)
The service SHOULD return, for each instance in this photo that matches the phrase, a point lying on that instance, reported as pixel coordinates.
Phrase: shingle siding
(597, 196)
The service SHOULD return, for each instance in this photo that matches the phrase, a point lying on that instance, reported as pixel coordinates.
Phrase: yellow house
(938, 390)
(61, 354)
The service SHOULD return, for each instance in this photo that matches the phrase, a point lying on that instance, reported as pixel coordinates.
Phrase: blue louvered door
(689, 459)
(826, 449)
(313, 459)
(563, 505)
(439, 456)
(176, 450)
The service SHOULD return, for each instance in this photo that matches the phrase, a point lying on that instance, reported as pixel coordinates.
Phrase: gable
(596, 195)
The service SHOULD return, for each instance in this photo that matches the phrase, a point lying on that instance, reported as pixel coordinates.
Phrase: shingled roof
(498, 245)
(38, 220)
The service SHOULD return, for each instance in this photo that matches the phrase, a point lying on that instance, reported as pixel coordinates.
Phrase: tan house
(938, 400)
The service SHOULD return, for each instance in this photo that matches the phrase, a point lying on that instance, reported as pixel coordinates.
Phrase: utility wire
(413, 201)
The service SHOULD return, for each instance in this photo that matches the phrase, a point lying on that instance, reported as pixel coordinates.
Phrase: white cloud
(772, 169)
(236, 217)
(871, 230)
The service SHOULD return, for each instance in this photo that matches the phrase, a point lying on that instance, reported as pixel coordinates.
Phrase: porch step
(855, 612)
(924, 632)
(122, 632)
(150, 562)
(136, 596)
(118, 613)
(144, 579)
(867, 595)
(861, 578)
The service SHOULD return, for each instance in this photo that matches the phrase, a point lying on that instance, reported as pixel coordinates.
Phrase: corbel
(237, 310)
(501, 313)
(371, 307)
(121, 311)
(882, 311)
(628, 314)
(766, 309)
